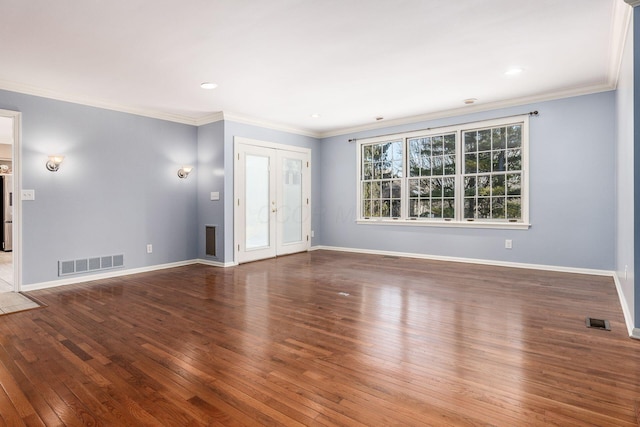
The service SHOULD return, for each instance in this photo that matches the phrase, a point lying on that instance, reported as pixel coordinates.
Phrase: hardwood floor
(322, 339)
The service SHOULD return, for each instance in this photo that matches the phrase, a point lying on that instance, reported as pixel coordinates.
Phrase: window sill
(451, 224)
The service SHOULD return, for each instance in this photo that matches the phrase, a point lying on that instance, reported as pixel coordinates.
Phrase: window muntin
(459, 175)
(493, 173)
(382, 166)
(431, 181)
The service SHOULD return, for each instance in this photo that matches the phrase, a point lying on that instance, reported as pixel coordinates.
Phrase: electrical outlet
(626, 267)
(312, 233)
(508, 244)
(28, 194)
(149, 248)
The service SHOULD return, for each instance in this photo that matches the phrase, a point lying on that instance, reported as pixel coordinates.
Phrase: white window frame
(459, 220)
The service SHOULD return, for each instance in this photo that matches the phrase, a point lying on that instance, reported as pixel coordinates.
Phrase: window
(432, 172)
(493, 173)
(466, 175)
(381, 183)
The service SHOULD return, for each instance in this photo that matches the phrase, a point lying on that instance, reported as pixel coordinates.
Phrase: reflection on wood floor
(323, 338)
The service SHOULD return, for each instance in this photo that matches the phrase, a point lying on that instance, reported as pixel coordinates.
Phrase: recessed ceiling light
(315, 115)
(470, 100)
(513, 71)
(208, 85)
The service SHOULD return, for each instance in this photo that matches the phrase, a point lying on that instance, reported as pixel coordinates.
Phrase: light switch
(28, 194)
(215, 195)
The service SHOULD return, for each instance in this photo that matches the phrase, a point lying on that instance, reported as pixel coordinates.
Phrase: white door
(292, 200)
(272, 201)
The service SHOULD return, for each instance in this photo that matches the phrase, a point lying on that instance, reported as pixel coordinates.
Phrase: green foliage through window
(420, 178)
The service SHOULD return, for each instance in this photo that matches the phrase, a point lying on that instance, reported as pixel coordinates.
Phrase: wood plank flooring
(322, 339)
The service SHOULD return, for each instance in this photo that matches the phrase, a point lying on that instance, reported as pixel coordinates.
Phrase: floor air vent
(598, 324)
(85, 265)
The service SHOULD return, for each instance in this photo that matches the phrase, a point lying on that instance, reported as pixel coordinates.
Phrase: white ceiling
(280, 61)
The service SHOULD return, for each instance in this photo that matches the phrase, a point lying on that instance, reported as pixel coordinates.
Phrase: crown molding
(210, 118)
(633, 3)
(620, 21)
(476, 108)
(45, 93)
(238, 118)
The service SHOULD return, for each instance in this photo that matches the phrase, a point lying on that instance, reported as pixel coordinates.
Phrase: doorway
(9, 205)
(272, 199)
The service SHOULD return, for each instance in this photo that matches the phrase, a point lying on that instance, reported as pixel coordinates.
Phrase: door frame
(17, 200)
(238, 140)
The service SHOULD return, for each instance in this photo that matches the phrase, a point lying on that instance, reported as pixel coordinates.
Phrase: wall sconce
(53, 164)
(184, 171)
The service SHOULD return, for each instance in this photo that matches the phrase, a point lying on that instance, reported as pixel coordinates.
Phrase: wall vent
(84, 265)
(210, 240)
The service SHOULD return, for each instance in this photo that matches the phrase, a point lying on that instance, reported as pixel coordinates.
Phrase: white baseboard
(100, 276)
(216, 263)
(625, 308)
(633, 332)
(118, 273)
(471, 260)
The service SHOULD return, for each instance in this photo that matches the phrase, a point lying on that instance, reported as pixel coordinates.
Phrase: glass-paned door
(271, 202)
(293, 212)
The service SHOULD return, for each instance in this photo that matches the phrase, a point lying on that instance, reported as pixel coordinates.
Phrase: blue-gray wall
(572, 193)
(116, 191)
(624, 181)
(211, 178)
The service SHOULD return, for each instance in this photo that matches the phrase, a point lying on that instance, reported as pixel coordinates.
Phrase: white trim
(17, 206)
(628, 320)
(475, 108)
(451, 224)
(210, 118)
(220, 116)
(119, 273)
(633, 332)
(559, 269)
(177, 118)
(100, 276)
(620, 21)
(155, 114)
(458, 220)
(233, 117)
(215, 263)
(632, 3)
(238, 232)
(267, 144)
(45, 93)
